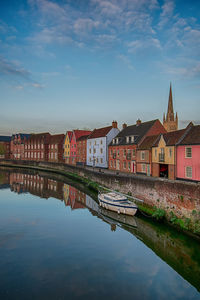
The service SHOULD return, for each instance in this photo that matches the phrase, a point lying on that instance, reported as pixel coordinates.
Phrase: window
(127, 139)
(101, 160)
(35, 155)
(42, 154)
(111, 152)
(55, 155)
(117, 152)
(42, 146)
(188, 172)
(155, 153)
(56, 146)
(94, 150)
(90, 159)
(188, 152)
(132, 139)
(143, 168)
(90, 150)
(97, 160)
(101, 142)
(113, 141)
(129, 166)
(117, 140)
(124, 165)
(124, 152)
(133, 152)
(111, 164)
(170, 152)
(142, 155)
(101, 150)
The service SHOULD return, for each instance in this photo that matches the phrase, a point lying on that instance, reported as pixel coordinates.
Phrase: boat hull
(120, 208)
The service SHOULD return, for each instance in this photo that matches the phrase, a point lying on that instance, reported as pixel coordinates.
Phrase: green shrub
(158, 214)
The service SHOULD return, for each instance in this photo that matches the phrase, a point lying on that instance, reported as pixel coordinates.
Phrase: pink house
(188, 155)
(73, 144)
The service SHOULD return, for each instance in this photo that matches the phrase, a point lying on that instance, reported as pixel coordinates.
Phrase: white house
(97, 145)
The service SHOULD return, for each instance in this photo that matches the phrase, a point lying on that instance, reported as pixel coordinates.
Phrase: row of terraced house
(150, 148)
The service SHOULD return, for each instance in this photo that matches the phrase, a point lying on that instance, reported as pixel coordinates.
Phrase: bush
(158, 213)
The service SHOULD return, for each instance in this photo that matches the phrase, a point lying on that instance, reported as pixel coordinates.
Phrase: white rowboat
(118, 203)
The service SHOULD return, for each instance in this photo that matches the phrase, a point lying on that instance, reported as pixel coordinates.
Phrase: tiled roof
(171, 138)
(57, 138)
(138, 131)
(100, 132)
(148, 142)
(4, 138)
(79, 133)
(192, 137)
(82, 138)
(69, 133)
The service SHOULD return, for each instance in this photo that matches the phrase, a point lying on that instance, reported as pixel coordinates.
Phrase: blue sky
(83, 63)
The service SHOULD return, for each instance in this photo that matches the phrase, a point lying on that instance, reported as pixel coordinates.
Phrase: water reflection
(177, 250)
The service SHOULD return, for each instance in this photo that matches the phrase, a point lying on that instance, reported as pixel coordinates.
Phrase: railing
(161, 157)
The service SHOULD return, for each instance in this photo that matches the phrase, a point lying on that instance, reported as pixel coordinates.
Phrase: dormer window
(113, 141)
(117, 140)
(132, 139)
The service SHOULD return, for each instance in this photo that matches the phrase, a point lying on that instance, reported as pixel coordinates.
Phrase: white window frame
(188, 168)
(186, 154)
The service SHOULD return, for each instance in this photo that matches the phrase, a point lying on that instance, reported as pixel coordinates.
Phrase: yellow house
(66, 193)
(67, 146)
(164, 154)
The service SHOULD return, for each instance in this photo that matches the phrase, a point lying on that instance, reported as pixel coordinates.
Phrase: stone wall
(182, 198)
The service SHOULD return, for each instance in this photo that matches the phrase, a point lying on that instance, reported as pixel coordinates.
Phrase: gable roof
(171, 138)
(148, 142)
(192, 137)
(69, 134)
(136, 130)
(82, 138)
(5, 138)
(79, 133)
(100, 132)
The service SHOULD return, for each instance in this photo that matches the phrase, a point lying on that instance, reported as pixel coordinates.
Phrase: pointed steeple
(169, 122)
(170, 110)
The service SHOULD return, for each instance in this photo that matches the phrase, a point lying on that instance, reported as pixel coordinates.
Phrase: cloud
(12, 69)
(167, 13)
(126, 61)
(37, 85)
(147, 43)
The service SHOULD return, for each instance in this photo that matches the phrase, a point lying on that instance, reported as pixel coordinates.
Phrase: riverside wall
(180, 197)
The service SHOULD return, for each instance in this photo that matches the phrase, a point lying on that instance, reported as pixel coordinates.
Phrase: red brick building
(17, 145)
(144, 155)
(123, 148)
(5, 146)
(76, 134)
(56, 149)
(37, 147)
(81, 154)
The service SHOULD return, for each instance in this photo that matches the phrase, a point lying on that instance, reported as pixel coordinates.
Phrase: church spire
(170, 110)
(169, 122)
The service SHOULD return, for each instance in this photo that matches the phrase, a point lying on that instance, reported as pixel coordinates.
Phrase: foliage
(159, 213)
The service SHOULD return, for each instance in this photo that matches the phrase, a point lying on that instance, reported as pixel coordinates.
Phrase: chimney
(138, 122)
(114, 124)
(124, 125)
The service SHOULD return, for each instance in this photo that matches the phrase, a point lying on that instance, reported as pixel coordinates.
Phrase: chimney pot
(114, 124)
(138, 122)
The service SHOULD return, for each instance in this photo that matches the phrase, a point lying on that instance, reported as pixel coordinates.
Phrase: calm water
(55, 243)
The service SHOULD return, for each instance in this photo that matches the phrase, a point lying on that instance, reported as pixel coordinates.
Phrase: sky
(71, 64)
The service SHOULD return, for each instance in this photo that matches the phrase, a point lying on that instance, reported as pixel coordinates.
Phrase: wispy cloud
(13, 69)
(126, 61)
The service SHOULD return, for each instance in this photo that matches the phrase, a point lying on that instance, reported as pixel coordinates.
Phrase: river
(57, 243)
